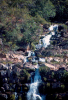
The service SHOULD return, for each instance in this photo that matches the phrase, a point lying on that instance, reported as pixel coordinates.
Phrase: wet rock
(45, 27)
(60, 27)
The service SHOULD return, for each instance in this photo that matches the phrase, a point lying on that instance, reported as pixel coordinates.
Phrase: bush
(34, 63)
(12, 97)
(63, 86)
(24, 76)
(40, 19)
(20, 98)
(44, 70)
(29, 59)
(32, 46)
(48, 84)
(45, 79)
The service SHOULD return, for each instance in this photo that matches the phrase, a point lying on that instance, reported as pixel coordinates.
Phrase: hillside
(25, 69)
(21, 21)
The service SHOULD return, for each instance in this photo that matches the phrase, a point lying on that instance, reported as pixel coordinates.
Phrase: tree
(30, 31)
(49, 10)
(61, 9)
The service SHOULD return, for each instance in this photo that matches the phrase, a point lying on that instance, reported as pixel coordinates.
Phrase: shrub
(48, 84)
(63, 86)
(32, 46)
(45, 79)
(20, 98)
(24, 75)
(44, 70)
(12, 97)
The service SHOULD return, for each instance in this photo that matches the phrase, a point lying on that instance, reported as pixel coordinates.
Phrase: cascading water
(33, 92)
(25, 57)
(46, 40)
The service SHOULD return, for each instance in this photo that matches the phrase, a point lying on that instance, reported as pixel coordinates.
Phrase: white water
(53, 28)
(16, 96)
(25, 57)
(33, 92)
(46, 40)
(42, 60)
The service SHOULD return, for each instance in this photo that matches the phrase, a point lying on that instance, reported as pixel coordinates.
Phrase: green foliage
(66, 74)
(45, 79)
(63, 86)
(48, 84)
(20, 98)
(30, 28)
(52, 75)
(49, 10)
(29, 59)
(12, 97)
(21, 19)
(32, 46)
(40, 19)
(24, 75)
(43, 70)
(61, 9)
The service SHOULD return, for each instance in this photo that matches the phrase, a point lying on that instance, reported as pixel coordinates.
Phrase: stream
(33, 93)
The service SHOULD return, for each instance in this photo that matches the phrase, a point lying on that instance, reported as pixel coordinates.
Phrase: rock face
(60, 27)
(24, 48)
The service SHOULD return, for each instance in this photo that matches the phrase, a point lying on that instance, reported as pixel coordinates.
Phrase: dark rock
(2, 55)
(60, 27)
(46, 26)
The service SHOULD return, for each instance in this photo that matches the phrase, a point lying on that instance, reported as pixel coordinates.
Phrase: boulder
(60, 27)
(2, 55)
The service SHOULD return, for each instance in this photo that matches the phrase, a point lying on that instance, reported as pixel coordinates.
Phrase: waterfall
(16, 95)
(33, 91)
(46, 40)
(25, 57)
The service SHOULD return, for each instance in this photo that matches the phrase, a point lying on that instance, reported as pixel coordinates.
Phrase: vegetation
(20, 20)
(44, 70)
(12, 97)
(24, 76)
(21, 24)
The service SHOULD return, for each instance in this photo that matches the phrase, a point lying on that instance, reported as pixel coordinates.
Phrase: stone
(1, 41)
(2, 55)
